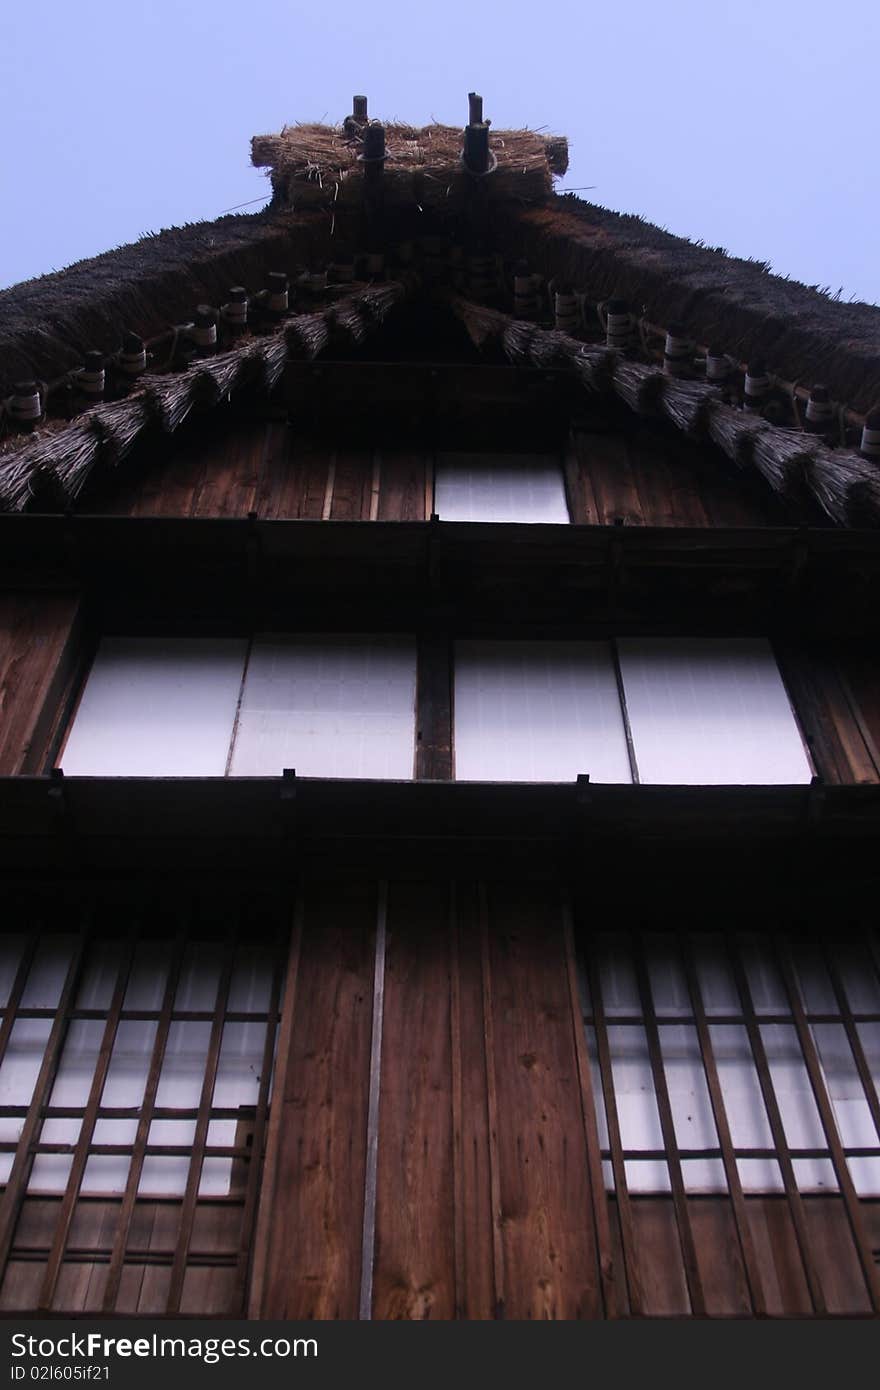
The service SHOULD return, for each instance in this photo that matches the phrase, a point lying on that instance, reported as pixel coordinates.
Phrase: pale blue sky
(751, 124)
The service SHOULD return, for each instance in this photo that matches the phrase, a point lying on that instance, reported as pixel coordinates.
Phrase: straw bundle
(57, 462)
(319, 165)
(638, 386)
(794, 464)
(686, 404)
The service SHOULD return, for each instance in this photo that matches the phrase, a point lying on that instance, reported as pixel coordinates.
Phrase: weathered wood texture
(643, 479)
(483, 1205)
(211, 1287)
(313, 1256)
(233, 466)
(720, 1260)
(835, 690)
(268, 468)
(38, 652)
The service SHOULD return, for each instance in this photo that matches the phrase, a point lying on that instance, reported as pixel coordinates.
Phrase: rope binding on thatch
(845, 485)
(58, 462)
(425, 167)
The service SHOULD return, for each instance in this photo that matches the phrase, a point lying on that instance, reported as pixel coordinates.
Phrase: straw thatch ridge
(319, 165)
(845, 486)
(56, 463)
(800, 332)
(48, 324)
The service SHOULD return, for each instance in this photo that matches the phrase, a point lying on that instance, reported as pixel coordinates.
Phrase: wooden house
(439, 760)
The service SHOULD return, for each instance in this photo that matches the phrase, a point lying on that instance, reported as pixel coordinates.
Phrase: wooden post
(373, 159)
(475, 109)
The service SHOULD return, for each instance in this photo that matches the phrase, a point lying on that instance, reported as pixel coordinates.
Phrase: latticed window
(135, 1076)
(738, 1064)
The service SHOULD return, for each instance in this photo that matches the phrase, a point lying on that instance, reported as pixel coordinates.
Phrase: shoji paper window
(500, 487)
(157, 707)
(768, 1005)
(537, 712)
(328, 707)
(707, 711)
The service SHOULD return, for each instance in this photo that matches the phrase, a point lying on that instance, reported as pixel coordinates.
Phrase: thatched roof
(48, 324)
(845, 486)
(320, 165)
(800, 332)
(57, 462)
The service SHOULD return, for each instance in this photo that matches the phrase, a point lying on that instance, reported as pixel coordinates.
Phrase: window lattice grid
(787, 1033)
(135, 1070)
(784, 1108)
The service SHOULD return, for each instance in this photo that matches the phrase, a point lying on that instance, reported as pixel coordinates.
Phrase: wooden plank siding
(267, 468)
(39, 651)
(482, 1210)
(232, 467)
(487, 1203)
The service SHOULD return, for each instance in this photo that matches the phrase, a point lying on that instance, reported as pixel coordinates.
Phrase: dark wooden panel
(352, 479)
(606, 459)
(842, 1280)
(826, 687)
(434, 707)
(414, 1275)
(661, 1272)
(476, 1289)
(317, 1204)
(230, 480)
(171, 480)
(719, 1257)
(548, 1237)
(405, 479)
(636, 476)
(306, 489)
(38, 636)
(210, 1288)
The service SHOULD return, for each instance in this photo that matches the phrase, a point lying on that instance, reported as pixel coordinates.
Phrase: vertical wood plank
(476, 1293)
(415, 1218)
(611, 1295)
(488, 1012)
(352, 485)
(371, 1162)
(313, 1262)
(266, 1211)
(434, 706)
(38, 647)
(402, 485)
(547, 1228)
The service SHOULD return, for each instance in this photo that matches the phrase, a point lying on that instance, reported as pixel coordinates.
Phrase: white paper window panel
(537, 712)
(710, 712)
(500, 487)
(157, 707)
(328, 707)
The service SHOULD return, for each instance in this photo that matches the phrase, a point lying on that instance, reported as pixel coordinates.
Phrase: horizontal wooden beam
(166, 574)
